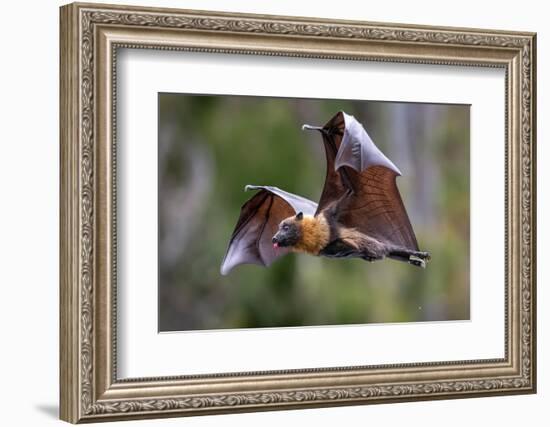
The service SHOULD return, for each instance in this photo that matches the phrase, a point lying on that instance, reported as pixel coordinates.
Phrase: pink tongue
(275, 245)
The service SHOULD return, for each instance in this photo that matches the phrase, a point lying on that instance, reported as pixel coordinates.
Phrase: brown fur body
(323, 235)
(316, 233)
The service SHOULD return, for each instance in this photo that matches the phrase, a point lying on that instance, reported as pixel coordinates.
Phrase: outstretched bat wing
(258, 222)
(363, 182)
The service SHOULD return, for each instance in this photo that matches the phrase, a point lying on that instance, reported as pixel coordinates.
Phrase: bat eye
(285, 227)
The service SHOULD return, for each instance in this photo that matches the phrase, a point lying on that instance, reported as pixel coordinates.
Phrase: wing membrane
(375, 207)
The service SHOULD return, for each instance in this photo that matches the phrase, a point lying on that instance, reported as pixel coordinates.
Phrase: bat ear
(299, 216)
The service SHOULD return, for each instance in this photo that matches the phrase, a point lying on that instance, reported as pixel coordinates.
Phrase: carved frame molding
(90, 37)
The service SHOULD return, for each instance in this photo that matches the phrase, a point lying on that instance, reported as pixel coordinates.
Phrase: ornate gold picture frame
(91, 35)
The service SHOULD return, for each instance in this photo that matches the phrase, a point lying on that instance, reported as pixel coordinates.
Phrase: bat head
(289, 232)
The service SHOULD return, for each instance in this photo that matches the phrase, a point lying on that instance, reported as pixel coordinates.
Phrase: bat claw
(309, 127)
(419, 262)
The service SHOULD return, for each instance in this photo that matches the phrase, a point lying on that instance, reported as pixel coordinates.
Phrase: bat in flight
(360, 214)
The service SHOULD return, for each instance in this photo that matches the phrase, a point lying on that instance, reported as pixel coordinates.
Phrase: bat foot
(419, 262)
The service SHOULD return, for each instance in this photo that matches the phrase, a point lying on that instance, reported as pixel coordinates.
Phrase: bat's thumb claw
(309, 127)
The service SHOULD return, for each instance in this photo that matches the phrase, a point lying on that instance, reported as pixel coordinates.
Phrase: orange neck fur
(315, 234)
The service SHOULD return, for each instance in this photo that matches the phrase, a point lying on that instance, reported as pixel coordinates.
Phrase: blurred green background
(210, 147)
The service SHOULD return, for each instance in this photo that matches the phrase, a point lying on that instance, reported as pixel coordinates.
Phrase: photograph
(287, 212)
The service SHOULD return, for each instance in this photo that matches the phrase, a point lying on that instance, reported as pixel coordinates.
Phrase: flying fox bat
(360, 213)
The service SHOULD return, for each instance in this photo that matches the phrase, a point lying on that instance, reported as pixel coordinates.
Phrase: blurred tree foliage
(210, 147)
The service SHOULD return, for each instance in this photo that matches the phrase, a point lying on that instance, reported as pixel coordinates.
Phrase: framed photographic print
(265, 212)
